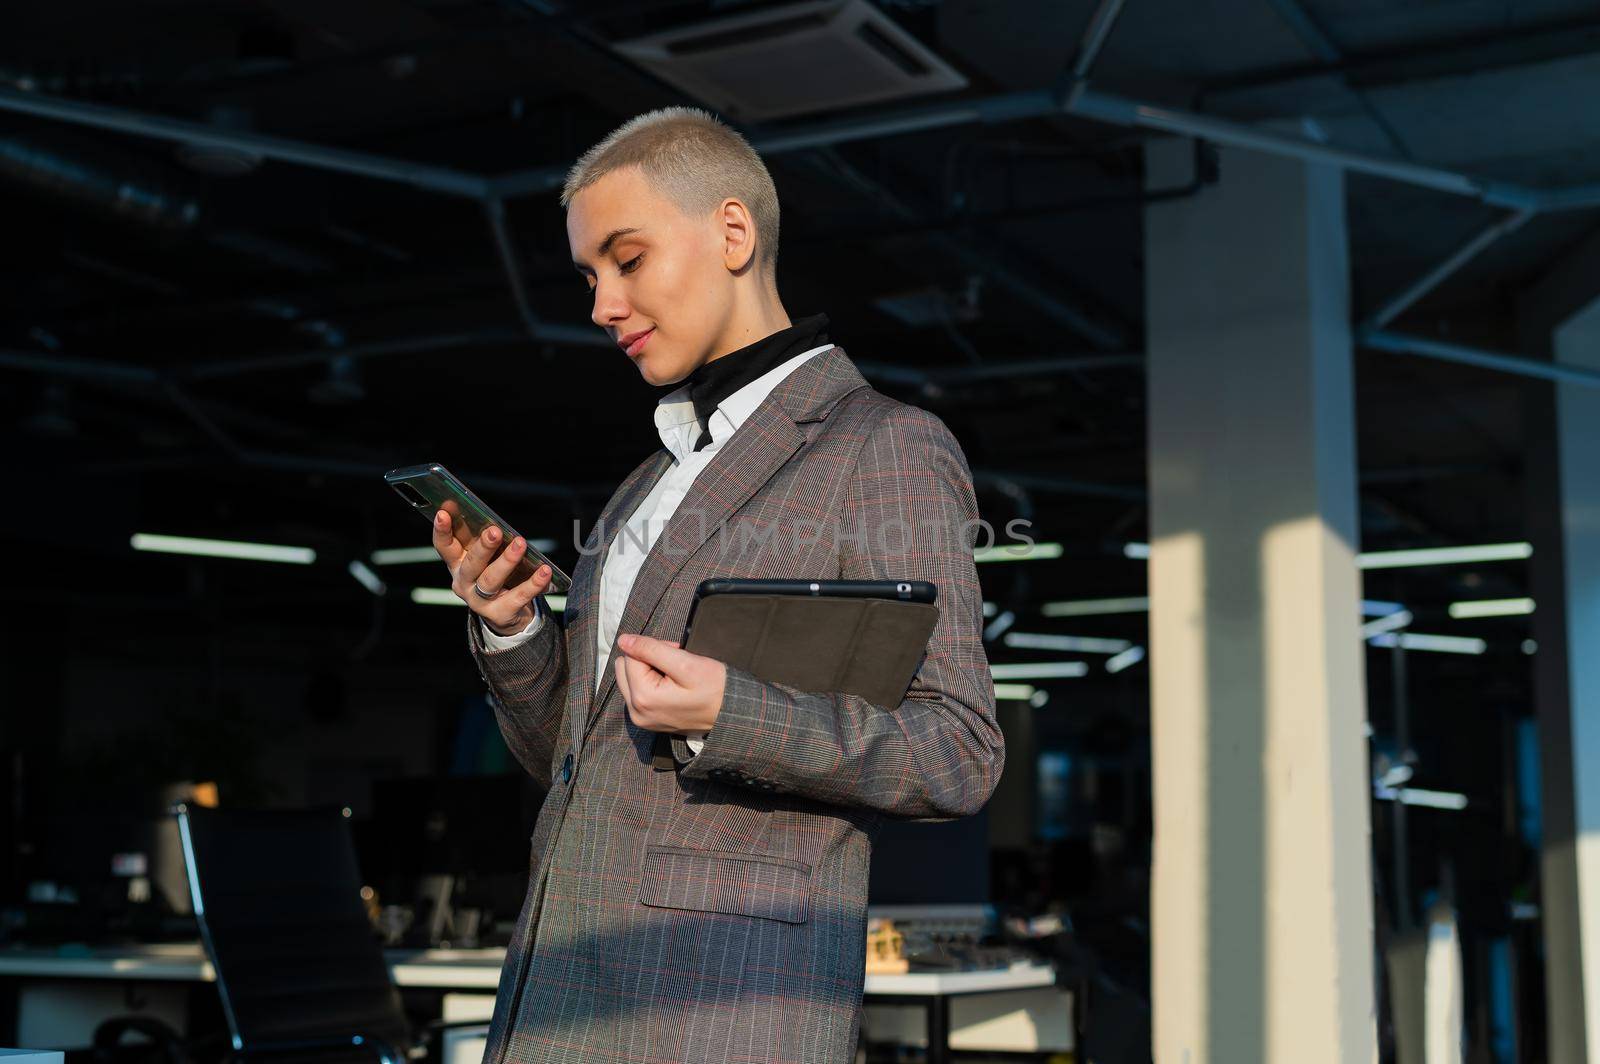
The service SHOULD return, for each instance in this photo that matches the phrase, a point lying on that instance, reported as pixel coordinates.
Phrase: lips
(633, 343)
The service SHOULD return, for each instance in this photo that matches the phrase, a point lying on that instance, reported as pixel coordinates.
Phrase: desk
(479, 969)
(933, 990)
(185, 962)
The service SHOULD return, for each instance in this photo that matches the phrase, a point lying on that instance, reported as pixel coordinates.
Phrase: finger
(524, 593)
(665, 656)
(643, 685)
(622, 679)
(479, 553)
(444, 542)
(498, 571)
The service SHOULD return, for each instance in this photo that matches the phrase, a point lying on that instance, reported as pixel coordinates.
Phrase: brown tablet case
(856, 646)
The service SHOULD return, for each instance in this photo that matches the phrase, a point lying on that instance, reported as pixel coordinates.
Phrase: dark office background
(198, 341)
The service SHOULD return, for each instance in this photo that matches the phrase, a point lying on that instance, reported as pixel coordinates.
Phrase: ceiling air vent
(793, 60)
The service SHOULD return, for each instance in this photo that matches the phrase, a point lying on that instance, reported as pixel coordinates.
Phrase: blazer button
(566, 769)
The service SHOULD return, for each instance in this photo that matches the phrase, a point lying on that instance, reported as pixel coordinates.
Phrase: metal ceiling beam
(1460, 257)
(1399, 343)
(66, 366)
(495, 209)
(1095, 35)
(1060, 485)
(1315, 38)
(1094, 326)
(1419, 61)
(1122, 111)
(322, 157)
(1008, 107)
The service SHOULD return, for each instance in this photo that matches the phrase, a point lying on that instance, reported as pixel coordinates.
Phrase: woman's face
(660, 279)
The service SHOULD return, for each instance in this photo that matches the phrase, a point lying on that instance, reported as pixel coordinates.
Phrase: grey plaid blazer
(716, 912)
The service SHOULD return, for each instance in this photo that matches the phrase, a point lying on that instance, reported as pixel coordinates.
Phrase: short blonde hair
(693, 159)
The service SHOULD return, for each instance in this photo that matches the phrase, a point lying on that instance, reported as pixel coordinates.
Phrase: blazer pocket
(719, 881)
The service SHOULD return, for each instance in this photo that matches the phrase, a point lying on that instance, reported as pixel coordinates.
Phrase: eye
(632, 264)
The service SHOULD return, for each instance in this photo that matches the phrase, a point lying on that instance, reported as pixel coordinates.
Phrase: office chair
(277, 895)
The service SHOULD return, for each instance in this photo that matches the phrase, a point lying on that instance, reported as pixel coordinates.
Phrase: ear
(738, 235)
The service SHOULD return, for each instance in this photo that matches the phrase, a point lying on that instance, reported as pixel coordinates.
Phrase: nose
(610, 308)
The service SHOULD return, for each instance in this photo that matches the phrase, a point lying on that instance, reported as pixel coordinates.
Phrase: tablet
(857, 637)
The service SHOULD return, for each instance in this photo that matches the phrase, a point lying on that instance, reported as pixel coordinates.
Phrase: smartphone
(430, 487)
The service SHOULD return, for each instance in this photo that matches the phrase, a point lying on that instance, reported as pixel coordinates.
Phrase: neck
(755, 316)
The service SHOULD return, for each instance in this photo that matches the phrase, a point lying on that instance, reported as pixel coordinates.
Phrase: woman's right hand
(507, 610)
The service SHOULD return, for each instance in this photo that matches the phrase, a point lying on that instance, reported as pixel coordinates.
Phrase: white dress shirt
(675, 421)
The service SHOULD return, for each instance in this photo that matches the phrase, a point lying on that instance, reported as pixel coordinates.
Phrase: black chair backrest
(277, 895)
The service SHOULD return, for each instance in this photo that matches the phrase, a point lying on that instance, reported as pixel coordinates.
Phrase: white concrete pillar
(1560, 318)
(1261, 905)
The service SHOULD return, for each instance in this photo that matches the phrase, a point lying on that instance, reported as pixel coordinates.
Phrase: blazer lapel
(583, 630)
(752, 455)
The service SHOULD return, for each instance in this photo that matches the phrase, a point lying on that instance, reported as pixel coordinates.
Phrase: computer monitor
(944, 863)
(450, 825)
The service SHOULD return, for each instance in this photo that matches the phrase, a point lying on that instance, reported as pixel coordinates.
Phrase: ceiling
(202, 315)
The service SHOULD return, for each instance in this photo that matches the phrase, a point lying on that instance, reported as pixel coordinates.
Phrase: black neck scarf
(718, 379)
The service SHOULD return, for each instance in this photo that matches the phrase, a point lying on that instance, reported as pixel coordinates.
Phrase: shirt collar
(714, 381)
(679, 426)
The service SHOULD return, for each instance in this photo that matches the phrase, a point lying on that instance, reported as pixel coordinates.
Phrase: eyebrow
(605, 245)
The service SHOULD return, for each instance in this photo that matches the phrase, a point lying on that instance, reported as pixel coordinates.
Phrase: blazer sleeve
(939, 754)
(527, 689)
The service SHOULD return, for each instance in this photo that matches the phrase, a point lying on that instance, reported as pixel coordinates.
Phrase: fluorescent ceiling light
(404, 556)
(1386, 624)
(1136, 551)
(367, 577)
(1019, 691)
(1418, 796)
(443, 596)
(1131, 656)
(1073, 643)
(1095, 607)
(415, 555)
(1405, 559)
(1042, 670)
(1379, 608)
(990, 609)
(999, 624)
(1396, 775)
(223, 548)
(1017, 552)
(1444, 644)
(1515, 607)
